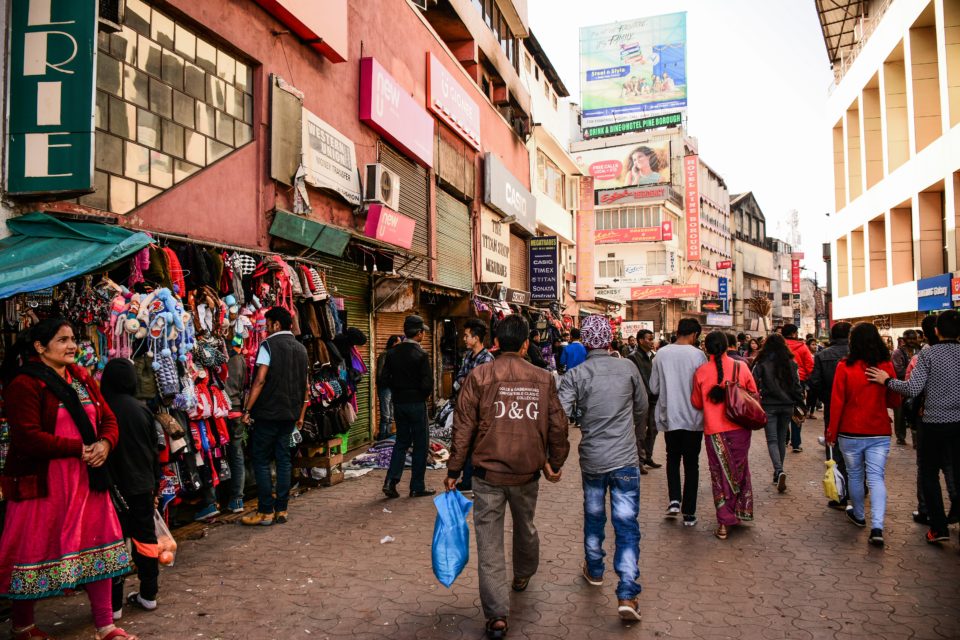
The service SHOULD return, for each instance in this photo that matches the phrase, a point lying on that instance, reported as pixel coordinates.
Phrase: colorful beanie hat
(595, 332)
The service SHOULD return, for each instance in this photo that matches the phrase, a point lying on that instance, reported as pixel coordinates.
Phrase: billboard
(691, 179)
(633, 67)
(632, 165)
(634, 234)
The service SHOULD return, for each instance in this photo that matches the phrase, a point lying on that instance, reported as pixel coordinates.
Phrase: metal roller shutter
(454, 255)
(387, 324)
(519, 264)
(414, 200)
(353, 285)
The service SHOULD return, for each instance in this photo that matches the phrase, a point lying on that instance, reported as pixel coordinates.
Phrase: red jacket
(803, 357)
(858, 405)
(32, 411)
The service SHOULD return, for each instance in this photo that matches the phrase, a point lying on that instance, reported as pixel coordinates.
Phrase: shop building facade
(752, 268)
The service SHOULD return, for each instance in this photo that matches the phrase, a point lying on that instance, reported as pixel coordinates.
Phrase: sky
(758, 80)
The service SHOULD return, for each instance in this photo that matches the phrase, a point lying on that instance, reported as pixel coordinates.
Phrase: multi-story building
(896, 156)
(753, 271)
(782, 283)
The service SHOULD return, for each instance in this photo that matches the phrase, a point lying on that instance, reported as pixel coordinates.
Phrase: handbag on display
(743, 407)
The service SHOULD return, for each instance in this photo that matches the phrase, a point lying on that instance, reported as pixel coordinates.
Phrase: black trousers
(137, 524)
(938, 448)
(683, 446)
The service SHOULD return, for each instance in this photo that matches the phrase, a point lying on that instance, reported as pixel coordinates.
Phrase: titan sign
(53, 48)
(633, 126)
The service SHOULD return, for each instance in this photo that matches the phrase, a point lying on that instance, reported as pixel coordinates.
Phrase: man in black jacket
(408, 373)
(642, 357)
(821, 384)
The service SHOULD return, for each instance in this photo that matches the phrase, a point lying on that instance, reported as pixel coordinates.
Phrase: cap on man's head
(595, 332)
(412, 325)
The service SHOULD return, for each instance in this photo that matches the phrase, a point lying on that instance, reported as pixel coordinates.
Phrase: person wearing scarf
(61, 529)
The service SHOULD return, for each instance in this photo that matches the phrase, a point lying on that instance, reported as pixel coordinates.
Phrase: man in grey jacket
(682, 424)
(611, 398)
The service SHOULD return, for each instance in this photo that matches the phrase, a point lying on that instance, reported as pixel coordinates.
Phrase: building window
(553, 99)
(629, 217)
(611, 269)
(550, 178)
(527, 63)
(656, 263)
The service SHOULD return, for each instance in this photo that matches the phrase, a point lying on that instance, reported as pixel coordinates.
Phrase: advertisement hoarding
(691, 182)
(795, 275)
(633, 67)
(633, 126)
(451, 102)
(330, 158)
(634, 195)
(934, 294)
(955, 291)
(632, 327)
(633, 165)
(544, 268)
(386, 107)
(586, 225)
(638, 234)
(387, 225)
(724, 264)
(684, 291)
(719, 320)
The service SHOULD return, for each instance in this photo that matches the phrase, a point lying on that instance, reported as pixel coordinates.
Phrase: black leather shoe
(390, 489)
(423, 494)
(652, 464)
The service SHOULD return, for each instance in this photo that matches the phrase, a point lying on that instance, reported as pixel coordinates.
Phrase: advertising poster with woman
(633, 67)
(635, 165)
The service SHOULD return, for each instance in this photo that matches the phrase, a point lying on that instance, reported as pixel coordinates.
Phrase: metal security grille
(353, 285)
(454, 255)
(519, 264)
(414, 200)
(387, 324)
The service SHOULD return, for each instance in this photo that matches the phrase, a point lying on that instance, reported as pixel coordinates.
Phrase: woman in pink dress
(61, 530)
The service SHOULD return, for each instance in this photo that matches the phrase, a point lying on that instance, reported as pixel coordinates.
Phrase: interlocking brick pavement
(799, 571)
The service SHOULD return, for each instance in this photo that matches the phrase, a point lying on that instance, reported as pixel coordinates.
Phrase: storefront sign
(666, 230)
(640, 234)
(633, 126)
(322, 25)
(330, 158)
(494, 248)
(387, 225)
(53, 48)
(719, 320)
(633, 195)
(711, 305)
(386, 107)
(586, 283)
(451, 102)
(633, 327)
(516, 296)
(934, 294)
(544, 268)
(955, 291)
(506, 194)
(673, 291)
(723, 288)
(691, 176)
(724, 264)
(795, 275)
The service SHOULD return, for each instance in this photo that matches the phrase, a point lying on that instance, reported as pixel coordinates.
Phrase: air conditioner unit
(381, 185)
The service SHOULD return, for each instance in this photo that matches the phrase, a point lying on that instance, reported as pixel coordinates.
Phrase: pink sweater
(714, 413)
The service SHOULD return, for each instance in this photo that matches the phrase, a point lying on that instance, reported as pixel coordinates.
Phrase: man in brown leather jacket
(509, 415)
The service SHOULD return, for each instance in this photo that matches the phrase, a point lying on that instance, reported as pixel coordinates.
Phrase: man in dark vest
(275, 407)
(408, 373)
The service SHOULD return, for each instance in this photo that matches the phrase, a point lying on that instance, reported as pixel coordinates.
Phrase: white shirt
(263, 356)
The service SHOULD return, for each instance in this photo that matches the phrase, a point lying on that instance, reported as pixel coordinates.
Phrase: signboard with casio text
(503, 192)
(544, 268)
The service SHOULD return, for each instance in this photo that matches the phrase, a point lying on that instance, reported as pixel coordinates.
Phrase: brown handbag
(743, 407)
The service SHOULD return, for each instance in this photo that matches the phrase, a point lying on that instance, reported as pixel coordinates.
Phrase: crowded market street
(800, 571)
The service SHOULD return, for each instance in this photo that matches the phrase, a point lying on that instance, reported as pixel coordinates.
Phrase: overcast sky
(758, 78)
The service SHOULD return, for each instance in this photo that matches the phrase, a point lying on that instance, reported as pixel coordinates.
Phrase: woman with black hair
(860, 421)
(728, 444)
(61, 530)
(778, 380)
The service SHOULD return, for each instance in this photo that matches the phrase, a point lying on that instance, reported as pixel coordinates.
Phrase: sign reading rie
(450, 101)
(636, 234)
(387, 225)
(387, 108)
(53, 48)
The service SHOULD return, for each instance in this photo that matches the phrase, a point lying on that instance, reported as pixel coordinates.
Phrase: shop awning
(309, 233)
(45, 251)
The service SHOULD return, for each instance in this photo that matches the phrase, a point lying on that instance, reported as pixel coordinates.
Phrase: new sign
(386, 107)
(934, 294)
(330, 158)
(387, 225)
(633, 126)
(506, 194)
(691, 181)
(53, 48)
(452, 104)
(544, 268)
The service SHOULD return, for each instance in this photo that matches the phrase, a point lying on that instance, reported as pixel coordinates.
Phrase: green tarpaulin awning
(309, 233)
(45, 251)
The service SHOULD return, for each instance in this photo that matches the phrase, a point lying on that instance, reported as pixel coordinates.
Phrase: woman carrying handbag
(727, 442)
(778, 380)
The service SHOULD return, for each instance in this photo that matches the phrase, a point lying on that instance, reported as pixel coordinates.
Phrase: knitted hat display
(595, 332)
(165, 369)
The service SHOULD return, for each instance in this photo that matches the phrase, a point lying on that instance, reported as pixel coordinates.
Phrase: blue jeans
(868, 454)
(385, 397)
(270, 440)
(778, 423)
(624, 486)
(411, 420)
(795, 433)
(235, 458)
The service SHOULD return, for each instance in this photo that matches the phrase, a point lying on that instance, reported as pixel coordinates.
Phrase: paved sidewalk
(800, 571)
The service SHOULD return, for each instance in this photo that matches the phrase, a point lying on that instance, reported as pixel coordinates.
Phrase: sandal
(118, 633)
(494, 633)
(721, 532)
(30, 633)
(520, 584)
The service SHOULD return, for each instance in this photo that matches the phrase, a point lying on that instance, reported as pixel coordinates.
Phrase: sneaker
(920, 518)
(281, 517)
(781, 482)
(933, 537)
(236, 506)
(876, 537)
(207, 513)
(591, 580)
(673, 510)
(262, 519)
(117, 614)
(629, 610)
(689, 521)
(839, 506)
(798, 449)
(860, 522)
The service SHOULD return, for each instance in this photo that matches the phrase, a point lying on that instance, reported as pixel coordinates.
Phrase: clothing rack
(230, 247)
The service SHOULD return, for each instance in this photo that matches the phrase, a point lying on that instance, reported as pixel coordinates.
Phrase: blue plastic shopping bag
(451, 537)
